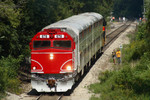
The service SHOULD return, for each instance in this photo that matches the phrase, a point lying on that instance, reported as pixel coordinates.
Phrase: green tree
(128, 8)
(147, 37)
(75, 6)
(9, 21)
(104, 7)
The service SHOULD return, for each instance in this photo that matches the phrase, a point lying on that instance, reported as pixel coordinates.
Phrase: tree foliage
(128, 8)
(147, 35)
(103, 7)
(9, 21)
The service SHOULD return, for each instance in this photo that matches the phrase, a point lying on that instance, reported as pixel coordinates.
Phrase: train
(62, 51)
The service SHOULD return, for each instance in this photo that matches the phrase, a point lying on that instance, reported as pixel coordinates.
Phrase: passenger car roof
(77, 23)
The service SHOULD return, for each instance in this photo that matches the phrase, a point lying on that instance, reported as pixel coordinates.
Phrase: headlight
(34, 68)
(69, 68)
(51, 56)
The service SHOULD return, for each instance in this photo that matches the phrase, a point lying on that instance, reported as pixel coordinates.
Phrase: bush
(2, 80)
(141, 32)
(9, 74)
(134, 51)
(105, 75)
(125, 84)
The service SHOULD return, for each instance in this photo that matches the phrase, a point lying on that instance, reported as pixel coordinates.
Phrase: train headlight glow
(69, 68)
(34, 68)
(51, 56)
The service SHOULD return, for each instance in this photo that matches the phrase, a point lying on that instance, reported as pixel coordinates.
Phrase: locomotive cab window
(62, 44)
(41, 44)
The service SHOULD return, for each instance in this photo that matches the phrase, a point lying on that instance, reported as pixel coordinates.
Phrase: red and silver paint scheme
(52, 59)
(57, 52)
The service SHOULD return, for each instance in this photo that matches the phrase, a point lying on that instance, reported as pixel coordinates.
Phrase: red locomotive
(61, 51)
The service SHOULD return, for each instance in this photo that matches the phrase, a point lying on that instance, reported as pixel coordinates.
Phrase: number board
(59, 36)
(44, 36)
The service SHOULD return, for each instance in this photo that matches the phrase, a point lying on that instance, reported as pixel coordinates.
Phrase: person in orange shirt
(118, 55)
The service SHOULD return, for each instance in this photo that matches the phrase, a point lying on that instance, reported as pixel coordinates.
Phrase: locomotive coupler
(51, 83)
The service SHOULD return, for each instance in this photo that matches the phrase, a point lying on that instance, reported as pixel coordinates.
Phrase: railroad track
(110, 38)
(50, 97)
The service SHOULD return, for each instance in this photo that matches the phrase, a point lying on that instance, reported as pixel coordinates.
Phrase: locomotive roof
(77, 23)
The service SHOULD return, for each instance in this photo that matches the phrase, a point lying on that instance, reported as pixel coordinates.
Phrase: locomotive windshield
(41, 44)
(62, 44)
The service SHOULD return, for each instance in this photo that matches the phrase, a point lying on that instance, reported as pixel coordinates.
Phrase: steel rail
(59, 98)
(38, 98)
(50, 97)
